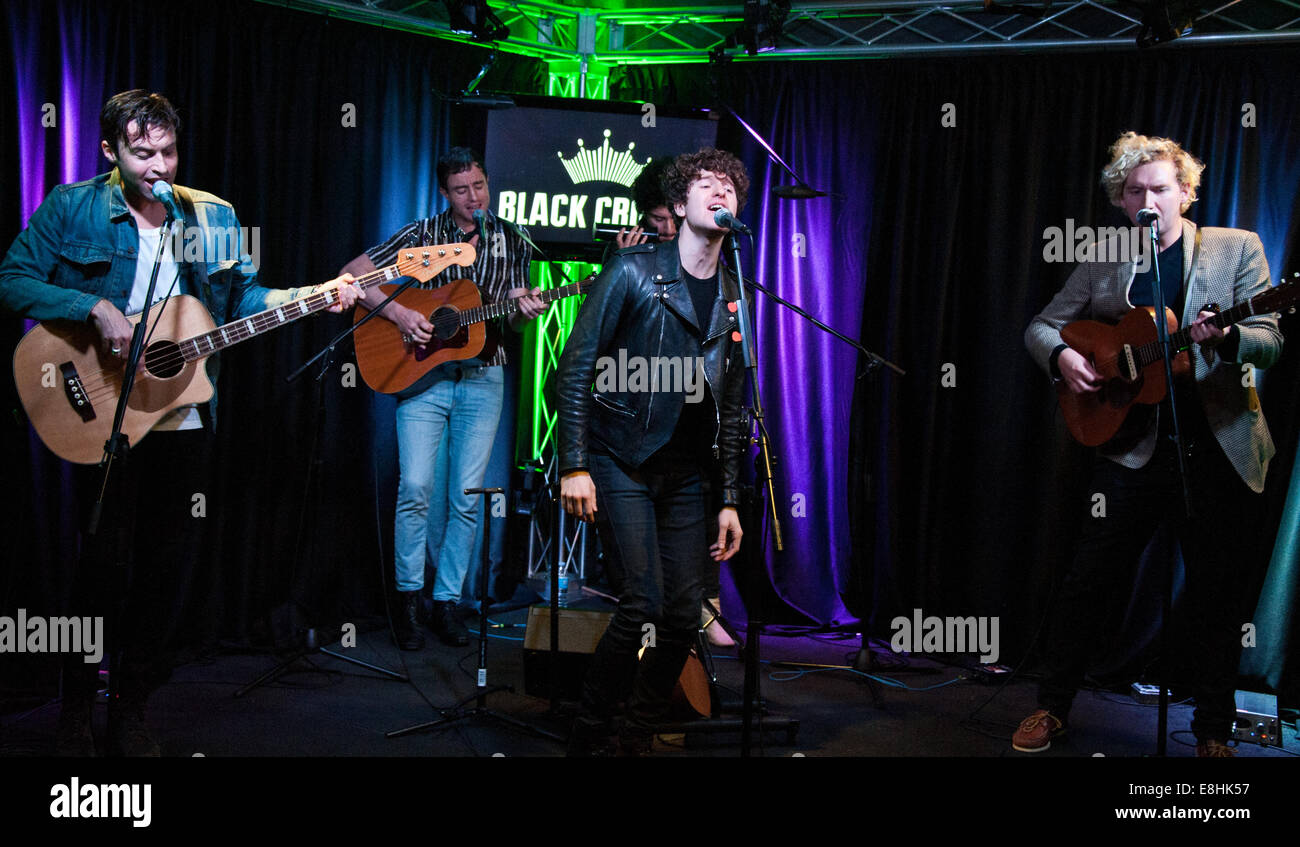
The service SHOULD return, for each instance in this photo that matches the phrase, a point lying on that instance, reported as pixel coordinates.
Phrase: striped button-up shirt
(501, 263)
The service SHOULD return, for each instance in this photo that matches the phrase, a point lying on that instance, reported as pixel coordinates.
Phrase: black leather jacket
(640, 303)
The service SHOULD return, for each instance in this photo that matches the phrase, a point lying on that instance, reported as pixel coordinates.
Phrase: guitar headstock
(428, 260)
(1280, 298)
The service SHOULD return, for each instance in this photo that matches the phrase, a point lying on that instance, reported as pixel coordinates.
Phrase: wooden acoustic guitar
(390, 362)
(69, 387)
(1129, 359)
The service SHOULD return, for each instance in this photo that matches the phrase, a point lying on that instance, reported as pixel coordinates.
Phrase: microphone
(1146, 216)
(162, 192)
(607, 233)
(726, 220)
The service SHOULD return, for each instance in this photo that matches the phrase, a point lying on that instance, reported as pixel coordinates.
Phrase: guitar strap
(199, 269)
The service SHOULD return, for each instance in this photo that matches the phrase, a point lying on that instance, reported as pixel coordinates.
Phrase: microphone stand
(310, 644)
(118, 446)
(1166, 592)
(764, 476)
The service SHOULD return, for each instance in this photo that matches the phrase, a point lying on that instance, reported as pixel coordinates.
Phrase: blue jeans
(444, 439)
(654, 528)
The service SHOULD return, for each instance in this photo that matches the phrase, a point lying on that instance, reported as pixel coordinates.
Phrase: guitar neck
(243, 329)
(505, 308)
(1182, 339)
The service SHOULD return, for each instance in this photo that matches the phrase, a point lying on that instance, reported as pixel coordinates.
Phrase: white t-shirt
(185, 417)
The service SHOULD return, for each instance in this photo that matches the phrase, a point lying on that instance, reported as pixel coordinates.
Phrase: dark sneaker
(447, 624)
(1037, 731)
(406, 627)
(1212, 748)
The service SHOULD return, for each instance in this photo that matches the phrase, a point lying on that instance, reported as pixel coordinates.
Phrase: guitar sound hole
(163, 359)
(446, 322)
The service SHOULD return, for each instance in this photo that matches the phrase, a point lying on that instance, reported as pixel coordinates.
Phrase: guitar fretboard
(411, 262)
(509, 307)
(1182, 339)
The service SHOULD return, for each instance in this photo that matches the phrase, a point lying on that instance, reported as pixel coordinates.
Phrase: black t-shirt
(1142, 292)
(692, 438)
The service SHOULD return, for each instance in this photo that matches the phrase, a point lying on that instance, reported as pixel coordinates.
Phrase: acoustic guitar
(1129, 358)
(390, 361)
(69, 387)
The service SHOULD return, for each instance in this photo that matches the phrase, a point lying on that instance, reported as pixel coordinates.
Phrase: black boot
(591, 738)
(73, 737)
(447, 624)
(406, 625)
(128, 734)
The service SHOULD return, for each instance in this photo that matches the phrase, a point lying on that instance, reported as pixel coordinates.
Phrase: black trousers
(136, 569)
(654, 529)
(1091, 597)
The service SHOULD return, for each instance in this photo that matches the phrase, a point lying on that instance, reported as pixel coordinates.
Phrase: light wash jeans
(444, 440)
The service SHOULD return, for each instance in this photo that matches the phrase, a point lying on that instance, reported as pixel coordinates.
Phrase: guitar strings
(98, 385)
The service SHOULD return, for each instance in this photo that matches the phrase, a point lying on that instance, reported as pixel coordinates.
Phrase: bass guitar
(69, 387)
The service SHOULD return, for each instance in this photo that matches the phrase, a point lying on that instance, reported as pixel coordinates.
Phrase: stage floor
(327, 707)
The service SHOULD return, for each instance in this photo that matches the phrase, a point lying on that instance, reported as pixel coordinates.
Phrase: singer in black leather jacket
(650, 389)
(640, 304)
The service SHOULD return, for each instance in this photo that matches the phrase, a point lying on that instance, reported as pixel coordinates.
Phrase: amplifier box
(580, 632)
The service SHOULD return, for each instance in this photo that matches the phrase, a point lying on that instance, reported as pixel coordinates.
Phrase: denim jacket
(81, 245)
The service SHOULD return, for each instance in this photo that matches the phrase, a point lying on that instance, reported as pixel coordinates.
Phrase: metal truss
(614, 32)
(558, 537)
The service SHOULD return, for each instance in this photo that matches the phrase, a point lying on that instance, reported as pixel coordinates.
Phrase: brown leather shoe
(1037, 731)
(1212, 748)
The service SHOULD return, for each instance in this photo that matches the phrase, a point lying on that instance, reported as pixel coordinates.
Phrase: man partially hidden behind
(87, 255)
(447, 421)
(648, 194)
(640, 459)
(1224, 432)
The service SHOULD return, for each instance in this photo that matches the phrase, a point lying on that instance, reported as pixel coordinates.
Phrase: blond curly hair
(1131, 150)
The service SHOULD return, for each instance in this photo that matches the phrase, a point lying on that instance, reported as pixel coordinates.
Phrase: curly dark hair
(687, 167)
(147, 110)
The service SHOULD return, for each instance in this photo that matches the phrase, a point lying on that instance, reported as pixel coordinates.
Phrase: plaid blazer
(1231, 268)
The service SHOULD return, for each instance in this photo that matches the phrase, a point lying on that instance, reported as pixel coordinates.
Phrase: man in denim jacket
(87, 255)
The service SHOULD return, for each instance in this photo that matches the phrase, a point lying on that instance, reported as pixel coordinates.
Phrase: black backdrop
(959, 498)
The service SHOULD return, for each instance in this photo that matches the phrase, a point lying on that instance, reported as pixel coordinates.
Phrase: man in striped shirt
(447, 421)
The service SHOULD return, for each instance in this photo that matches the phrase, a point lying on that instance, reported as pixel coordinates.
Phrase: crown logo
(603, 165)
